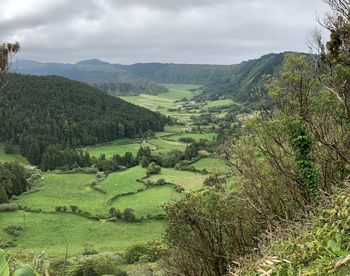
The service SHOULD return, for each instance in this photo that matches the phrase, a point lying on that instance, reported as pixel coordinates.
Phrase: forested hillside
(236, 81)
(40, 111)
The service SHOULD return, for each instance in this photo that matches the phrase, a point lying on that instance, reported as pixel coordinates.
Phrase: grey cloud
(182, 31)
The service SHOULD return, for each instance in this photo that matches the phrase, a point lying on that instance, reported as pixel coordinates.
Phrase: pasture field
(148, 202)
(51, 233)
(195, 136)
(65, 190)
(124, 182)
(212, 165)
(162, 145)
(186, 179)
(120, 147)
(4, 157)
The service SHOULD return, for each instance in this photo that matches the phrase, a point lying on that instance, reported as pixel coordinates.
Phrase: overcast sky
(180, 31)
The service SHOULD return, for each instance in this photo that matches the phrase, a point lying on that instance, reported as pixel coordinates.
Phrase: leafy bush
(149, 252)
(94, 266)
(8, 207)
(186, 140)
(23, 270)
(128, 214)
(153, 169)
(179, 189)
(13, 230)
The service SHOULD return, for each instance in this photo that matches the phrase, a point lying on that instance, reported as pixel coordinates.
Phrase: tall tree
(6, 52)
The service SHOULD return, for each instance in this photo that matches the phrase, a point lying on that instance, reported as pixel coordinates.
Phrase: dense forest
(40, 111)
(235, 81)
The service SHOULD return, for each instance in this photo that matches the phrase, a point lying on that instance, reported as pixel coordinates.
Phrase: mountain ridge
(230, 81)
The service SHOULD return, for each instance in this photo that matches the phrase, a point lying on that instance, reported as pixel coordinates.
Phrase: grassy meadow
(51, 233)
(212, 165)
(186, 179)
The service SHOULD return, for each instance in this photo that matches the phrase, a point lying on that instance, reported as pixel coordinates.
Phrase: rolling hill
(37, 111)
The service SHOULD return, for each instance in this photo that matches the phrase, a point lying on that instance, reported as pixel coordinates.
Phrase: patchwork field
(166, 103)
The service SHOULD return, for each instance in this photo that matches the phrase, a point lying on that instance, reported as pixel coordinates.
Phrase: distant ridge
(235, 81)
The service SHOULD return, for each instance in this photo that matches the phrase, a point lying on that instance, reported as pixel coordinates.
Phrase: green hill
(41, 111)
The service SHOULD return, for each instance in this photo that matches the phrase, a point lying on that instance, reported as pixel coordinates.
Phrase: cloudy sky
(180, 31)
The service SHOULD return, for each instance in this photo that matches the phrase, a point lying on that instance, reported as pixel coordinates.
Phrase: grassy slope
(66, 190)
(148, 201)
(219, 103)
(52, 233)
(211, 165)
(120, 147)
(124, 182)
(186, 179)
(162, 145)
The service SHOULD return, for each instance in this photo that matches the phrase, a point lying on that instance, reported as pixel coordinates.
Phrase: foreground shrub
(94, 266)
(149, 252)
(322, 248)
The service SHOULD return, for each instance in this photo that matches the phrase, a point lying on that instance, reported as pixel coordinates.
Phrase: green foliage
(13, 181)
(4, 267)
(24, 270)
(301, 143)
(56, 158)
(94, 266)
(153, 169)
(149, 252)
(321, 248)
